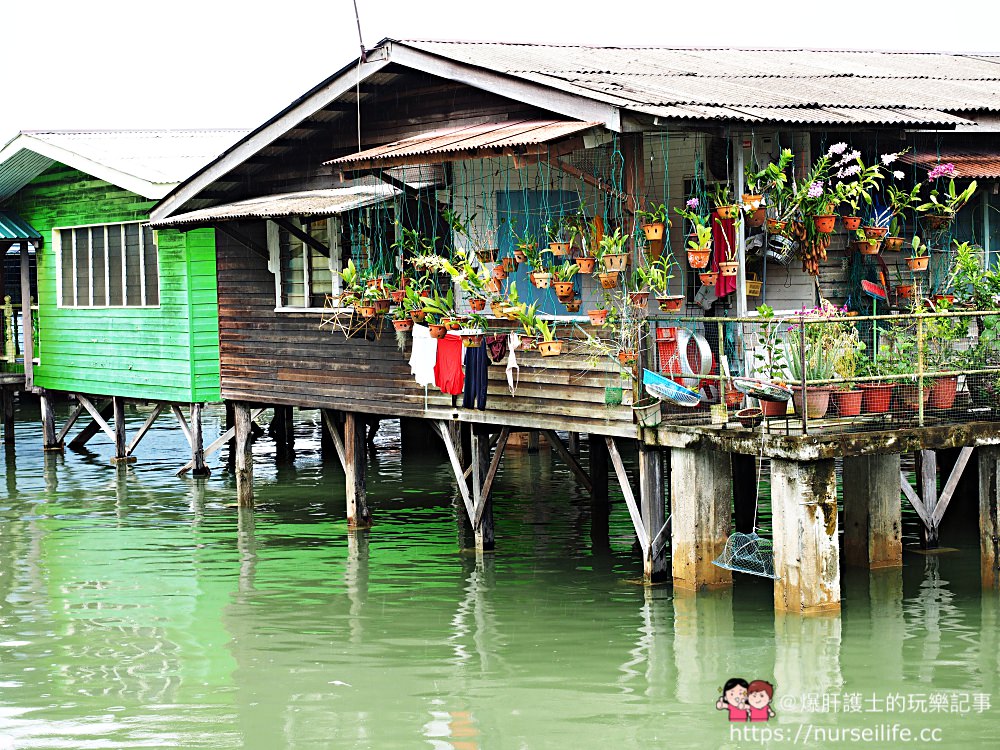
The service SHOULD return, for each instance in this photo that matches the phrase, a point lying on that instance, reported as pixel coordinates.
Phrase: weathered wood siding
(271, 357)
(169, 352)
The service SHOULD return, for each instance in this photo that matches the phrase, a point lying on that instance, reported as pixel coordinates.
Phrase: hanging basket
(748, 553)
(670, 303)
(609, 279)
(654, 231)
(729, 268)
(893, 244)
(709, 278)
(824, 224)
(918, 263)
(851, 223)
(559, 248)
(754, 285)
(699, 258)
(666, 389)
(614, 261)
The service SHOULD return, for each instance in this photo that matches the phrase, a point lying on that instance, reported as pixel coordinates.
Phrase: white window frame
(59, 247)
(334, 263)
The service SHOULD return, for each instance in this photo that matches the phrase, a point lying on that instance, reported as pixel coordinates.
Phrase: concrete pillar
(652, 505)
(701, 513)
(989, 523)
(244, 455)
(872, 512)
(806, 553)
(355, 466)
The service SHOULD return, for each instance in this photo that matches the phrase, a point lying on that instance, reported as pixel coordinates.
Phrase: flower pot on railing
(825, 224)
(851, 222)
(943, 392)
(699, 258)
(876, 398)
(847, 403)
(918, 263)
(817, 400)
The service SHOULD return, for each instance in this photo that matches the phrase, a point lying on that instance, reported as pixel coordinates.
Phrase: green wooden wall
(166, 353)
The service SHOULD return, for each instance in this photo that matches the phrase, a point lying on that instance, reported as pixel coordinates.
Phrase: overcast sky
(219, 63)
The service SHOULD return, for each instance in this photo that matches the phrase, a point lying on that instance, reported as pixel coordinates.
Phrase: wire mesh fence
(821, 370)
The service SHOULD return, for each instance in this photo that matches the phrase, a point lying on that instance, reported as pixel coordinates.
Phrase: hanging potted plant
(655, 223)
(722, 201)
(656, 277)
(636, 290)
(525, 245)
(589, 233)
(893, 243)
(612, 250)
(401, 319)
(473, 331)
(539, 276)
(548, 345)
(563, 280)
(866, 245)
(699, 248)
(731, 265)
(899, 202)
(708, 278)
(938, 212)
(554, 229)
(919, 259)
(763, 187)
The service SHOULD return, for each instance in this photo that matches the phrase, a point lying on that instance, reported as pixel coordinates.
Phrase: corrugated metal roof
(13, 227)
(148, 162)
(657, 80)
(971, 164)
(485, 136)
(807, 115)
(306, 203)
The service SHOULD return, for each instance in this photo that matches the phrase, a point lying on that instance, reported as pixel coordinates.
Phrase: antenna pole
(361, 40)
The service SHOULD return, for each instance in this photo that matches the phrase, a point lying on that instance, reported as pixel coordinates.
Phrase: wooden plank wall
(270, 357)
(168, 352)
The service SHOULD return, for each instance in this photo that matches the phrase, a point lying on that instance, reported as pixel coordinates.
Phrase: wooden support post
(989, 515)
(926, 461)
(327, 449)
(573, 443)
(701, 511)
(104, 412)
(146, 427)
(121, 441)
(8, 416)
(744, 491)
(231, 443)
(652, 503)
(355, 465)
(482, 492)
(282, 429)
(50, 443)
(806, 553)
(598, 470)
(872, 512)
(244, 455)
(27, 330)
(553, 438)
(197, 444)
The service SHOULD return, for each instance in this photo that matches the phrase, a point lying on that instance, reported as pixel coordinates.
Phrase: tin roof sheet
(13, 227)
(485, 136)
(328, 202)
(971, 164)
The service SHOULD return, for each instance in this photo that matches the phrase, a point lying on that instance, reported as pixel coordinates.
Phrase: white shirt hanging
(423, 356)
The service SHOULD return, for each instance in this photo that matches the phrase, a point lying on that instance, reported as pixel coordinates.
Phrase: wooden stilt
(8, 416)
(925, 501)
(226, 437)
(328, 451)
(482, 492)
(653, 506)
(989, 515)
(355, 465)
(701, 511)
(744, 491)
(568, 458)
(927, 488)
(50, 443)
(231, 443)
(806, 553)
(197, 444)
(282, 429)
(244, 455)
(146, 427)
(121, 442)
(872, 512)
(99, 417)
(533, 442)
(573, 443)
(598, 470)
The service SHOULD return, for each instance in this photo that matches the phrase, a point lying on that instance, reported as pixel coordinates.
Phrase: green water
(138, 609)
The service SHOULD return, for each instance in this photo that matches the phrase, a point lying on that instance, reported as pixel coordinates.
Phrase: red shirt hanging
(448, 375)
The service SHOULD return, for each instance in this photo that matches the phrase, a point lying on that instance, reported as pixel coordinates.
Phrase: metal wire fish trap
(748, 553)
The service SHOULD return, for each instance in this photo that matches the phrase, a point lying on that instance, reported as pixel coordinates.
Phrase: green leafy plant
(612, 243)
(656, 276)
(918, 248)
(566, 271)
(722, 194)
(657, 214)
(769, 354)
(546, 331)
(946, 203)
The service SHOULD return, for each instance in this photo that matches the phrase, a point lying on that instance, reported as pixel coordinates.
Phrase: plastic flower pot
(750, 418)
(647, 412)
(847, 403)
(550, 348)
(851, 222)
(876, 398)
(699, 258)
(943, 393)
(654, 231)
(671, 303)
(817, 400)
(774, 408)
(825, 224)
(893, 244)
(918, 263)
(709, 278)
(729, 268)
(597, 317)
(586, 264)
(614, 261)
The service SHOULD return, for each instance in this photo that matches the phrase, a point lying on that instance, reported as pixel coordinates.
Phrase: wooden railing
(12, 338)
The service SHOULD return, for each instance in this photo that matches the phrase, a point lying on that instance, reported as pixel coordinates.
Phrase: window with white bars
(303, 275)
(107, 265)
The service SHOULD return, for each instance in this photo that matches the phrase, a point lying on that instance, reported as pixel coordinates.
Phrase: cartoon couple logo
(746, 701)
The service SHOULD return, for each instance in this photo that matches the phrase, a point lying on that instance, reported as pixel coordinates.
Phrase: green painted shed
(123, 312)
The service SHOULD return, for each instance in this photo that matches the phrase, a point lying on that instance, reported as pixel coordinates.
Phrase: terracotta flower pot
(638, 299)
(520, 257)
(397, 296)
(559, 248)
(382, 305)
(586, 264)
(597, 317)
(486, 255)
(699, 258)
(752, 201)
(655, 230)
(541, 279)
(776, 227)
(509, 263)
(497, 308)
(943, 393)
(727, 212)
(709, 278)
(628, 357)
(437, 330)
(733, 397)
(847, 403)
(417, 316)
(876, 233)
(876, 397)
(499, 273)
(817, 400)
(366, 311)
(550, 348)
(671, 303)
(935, 223)
(563, 288)
(406, 324)
(825, 224)
(893, 244)
(478, 304)
(774, 408)
(654, 249)
(614, 261)
(729, 268)
(609, 279)
(851, 222)
(451, 324)
(472, 341)
(904, 291)
(757, 217)
(869, 246)
(573, 305)
(918, 263)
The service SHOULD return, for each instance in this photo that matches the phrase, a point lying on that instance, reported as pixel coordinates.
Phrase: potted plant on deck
(847, 397)
(941, 335)
(769, 361)
(812, 353)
